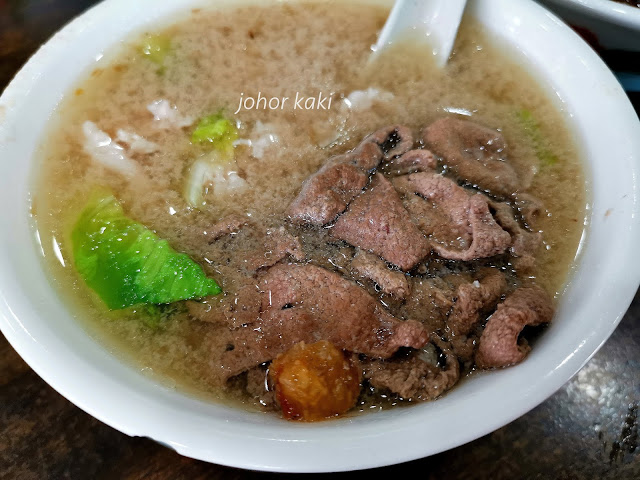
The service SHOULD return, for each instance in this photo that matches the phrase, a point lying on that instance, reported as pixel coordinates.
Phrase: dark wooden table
(589, 429)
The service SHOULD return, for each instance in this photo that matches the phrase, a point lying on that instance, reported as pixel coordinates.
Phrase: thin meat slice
(430, 301)
(459, 225)
(438, 206)
(308, 303)
(393, 140)
(488, 238)
(235, 309)
(377, 221)
(499, 345)
(365, 156)
(327, 193)
(374, 268)
(419, 160)
(256, 246)
(524, 244)
(530, 208)
(413, 378)
(474, 301)
(227, 226)
(278, 245)
(384, 144)
(475, 153)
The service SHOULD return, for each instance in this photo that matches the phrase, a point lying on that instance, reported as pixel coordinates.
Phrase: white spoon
(436, 20)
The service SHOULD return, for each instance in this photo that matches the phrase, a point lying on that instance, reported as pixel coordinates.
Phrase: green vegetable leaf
(531, 126)
(217, 130)
(127, 264)
(156, 316)
(156, 48)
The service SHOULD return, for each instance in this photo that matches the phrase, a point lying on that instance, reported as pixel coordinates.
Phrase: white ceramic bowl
(614, 25)
(38, 325)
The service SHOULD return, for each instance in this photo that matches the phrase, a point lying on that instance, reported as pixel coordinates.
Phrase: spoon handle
(437, 20)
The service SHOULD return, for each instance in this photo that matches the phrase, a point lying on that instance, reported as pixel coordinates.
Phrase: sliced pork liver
(413, 378)
(459, 224)
(278, 245)
(474, 301)
(308, 303)
(475, 153)
(377, 221)
(524, 244)
(227, 226)
(235, 309)
(327, 193)
(430, 301)
(499, 345)
(419, 160)
(393, 140)
(530, 208)
(375, 269)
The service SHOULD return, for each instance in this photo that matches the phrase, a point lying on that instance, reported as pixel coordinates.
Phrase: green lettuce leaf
(217, 130)
(156, 48)
(127, 264)
(218, 134)
(531, 126)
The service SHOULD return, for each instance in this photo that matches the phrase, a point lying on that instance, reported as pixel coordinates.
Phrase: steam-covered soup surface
(240, 205)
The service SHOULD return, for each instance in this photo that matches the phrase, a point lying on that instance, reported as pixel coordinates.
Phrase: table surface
(588, 429)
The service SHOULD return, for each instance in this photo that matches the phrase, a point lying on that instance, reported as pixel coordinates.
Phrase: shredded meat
(499, 345)
(308, 303)
(372, 267)
(459, 225)
(377, 221)
(475, 153)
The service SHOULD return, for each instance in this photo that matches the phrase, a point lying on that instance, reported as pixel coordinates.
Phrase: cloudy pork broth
(224, 135)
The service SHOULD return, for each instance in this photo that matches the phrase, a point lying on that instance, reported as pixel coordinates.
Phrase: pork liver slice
(309, 303)
(458, 223)
(378, 222)
(475, 153)
(499, 345)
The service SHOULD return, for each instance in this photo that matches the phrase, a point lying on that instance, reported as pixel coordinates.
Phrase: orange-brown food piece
(314, 381)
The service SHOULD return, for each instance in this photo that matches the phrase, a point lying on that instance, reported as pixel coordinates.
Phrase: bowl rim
(298, 448)
(607, 10)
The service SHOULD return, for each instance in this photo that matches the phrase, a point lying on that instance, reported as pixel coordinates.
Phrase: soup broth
(216, 59)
